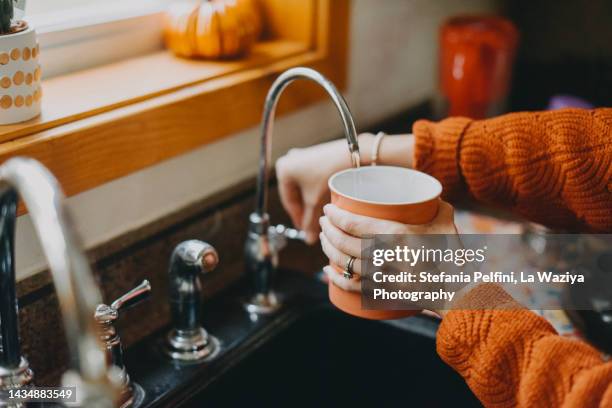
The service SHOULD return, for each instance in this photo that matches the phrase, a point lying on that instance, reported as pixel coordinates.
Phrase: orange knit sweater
(512, 357)
(554, 168)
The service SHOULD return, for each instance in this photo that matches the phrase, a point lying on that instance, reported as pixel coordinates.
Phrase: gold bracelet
(376, 147)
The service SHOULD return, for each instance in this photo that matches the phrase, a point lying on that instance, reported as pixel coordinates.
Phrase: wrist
(393, 150)
(397, 150)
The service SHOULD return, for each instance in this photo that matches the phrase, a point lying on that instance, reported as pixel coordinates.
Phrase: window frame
(95, 27)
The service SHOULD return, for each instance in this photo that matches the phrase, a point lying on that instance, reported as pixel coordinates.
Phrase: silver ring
(348, 268)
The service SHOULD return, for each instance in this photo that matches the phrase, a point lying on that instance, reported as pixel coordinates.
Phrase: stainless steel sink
(309, 354)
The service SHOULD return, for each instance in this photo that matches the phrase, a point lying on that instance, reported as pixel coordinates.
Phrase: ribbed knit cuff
(436, 152)
(487, 296)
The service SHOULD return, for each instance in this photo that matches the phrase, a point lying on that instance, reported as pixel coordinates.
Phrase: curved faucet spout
(272, 98)
(74, 282)
(263, 241)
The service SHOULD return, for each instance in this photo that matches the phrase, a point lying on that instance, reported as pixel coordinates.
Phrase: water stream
(356, 174)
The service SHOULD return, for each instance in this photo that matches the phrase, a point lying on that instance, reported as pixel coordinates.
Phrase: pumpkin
(212, 28)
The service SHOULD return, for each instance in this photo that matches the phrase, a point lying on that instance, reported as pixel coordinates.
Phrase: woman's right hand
(302, 179)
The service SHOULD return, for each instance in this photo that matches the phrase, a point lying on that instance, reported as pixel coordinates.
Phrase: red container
(476, 57)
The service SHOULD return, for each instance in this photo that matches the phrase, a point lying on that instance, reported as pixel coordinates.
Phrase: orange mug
(384, 192)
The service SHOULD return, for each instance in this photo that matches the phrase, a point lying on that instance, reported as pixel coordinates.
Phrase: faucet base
(191, 347)
(263, 304)
(132, 397)
(18, 377)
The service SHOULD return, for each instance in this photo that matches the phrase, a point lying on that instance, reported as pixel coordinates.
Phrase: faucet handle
(108, 313)
(134, 296)
(288, 233)
(280, 234)
(105, 316)
(209, 258)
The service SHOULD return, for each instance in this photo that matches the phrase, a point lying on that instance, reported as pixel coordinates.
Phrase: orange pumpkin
(213, 28)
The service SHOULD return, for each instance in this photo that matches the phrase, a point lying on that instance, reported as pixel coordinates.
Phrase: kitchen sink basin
(309, 354)
(329, 359)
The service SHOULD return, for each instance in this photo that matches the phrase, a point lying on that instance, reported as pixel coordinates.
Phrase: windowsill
(105, 123)
(87, 93)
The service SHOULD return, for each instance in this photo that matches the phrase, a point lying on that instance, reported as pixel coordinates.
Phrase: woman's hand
(303, 173)
(302, 179)
(342, 233)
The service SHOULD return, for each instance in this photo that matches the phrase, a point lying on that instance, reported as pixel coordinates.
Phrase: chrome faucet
(263, 240)
(188, 341)
(132, 394)
(74, 282)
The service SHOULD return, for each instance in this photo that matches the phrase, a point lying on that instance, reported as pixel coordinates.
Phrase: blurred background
(556, 53)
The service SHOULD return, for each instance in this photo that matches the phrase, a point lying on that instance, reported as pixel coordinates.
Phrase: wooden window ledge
(105, 123)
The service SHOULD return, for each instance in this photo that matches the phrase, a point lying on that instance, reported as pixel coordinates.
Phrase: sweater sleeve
(552, 167)
(510, 357)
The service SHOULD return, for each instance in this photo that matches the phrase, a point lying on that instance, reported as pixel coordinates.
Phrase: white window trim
(90, 36)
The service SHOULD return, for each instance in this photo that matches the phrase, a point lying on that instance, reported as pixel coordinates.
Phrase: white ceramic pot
(20, 90)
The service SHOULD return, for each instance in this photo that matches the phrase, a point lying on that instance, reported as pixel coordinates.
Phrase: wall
(392, 67)
(565, 48)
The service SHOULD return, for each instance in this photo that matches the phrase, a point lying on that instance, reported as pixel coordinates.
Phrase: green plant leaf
(6, 16)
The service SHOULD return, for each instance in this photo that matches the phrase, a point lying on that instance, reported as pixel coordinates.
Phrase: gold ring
(348, 268)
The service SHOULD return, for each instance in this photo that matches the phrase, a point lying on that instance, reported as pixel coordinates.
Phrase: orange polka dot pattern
(20, 78)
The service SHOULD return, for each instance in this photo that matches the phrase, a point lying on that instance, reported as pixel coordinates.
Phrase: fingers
(291, 199)
(303, 215)
(351, 285)
(444, 223)
(359, 225)
(445, 210)
(337, 257)
(362, 226)
(345, 243)
(310, 222)
(290, 192)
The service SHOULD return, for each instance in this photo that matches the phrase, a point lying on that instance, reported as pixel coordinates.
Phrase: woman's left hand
(342, 233)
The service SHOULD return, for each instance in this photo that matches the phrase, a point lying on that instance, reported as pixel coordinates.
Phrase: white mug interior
(385, 185)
